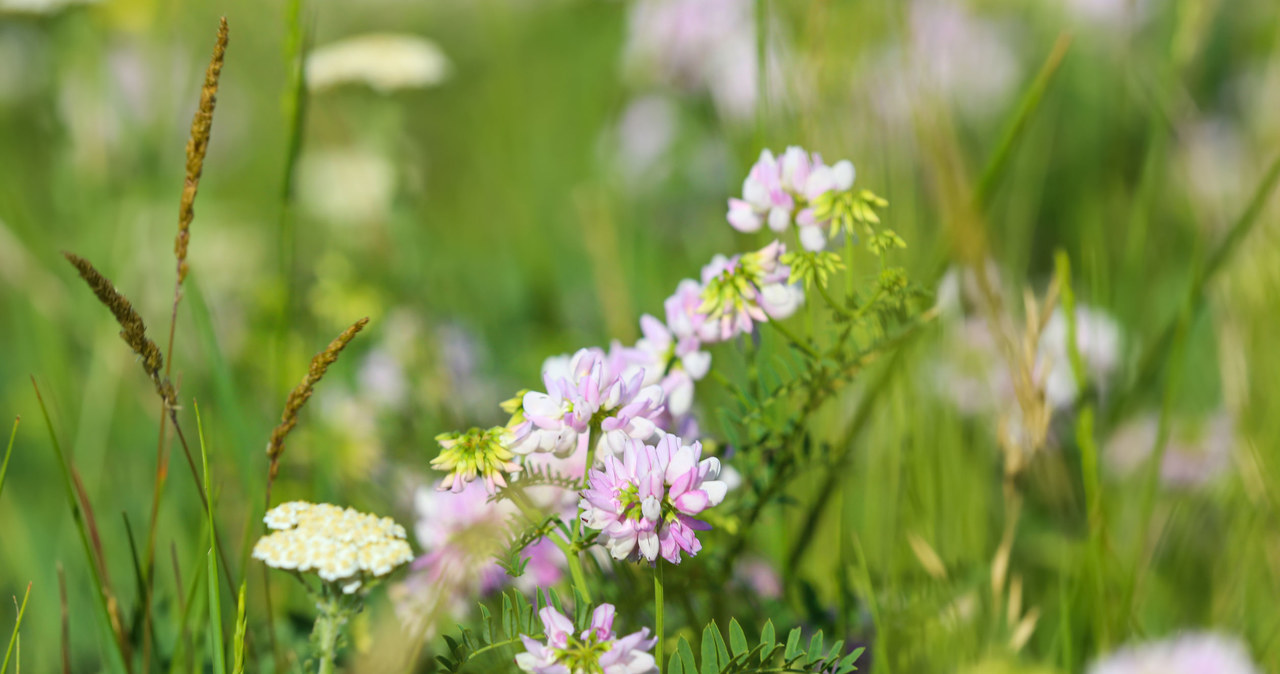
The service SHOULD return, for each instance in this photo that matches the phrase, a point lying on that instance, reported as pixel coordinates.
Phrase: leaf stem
(657, 613)
(812, 353)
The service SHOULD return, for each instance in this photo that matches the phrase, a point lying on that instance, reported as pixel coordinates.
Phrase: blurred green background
(555, 180)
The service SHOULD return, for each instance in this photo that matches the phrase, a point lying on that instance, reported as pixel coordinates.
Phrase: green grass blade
(1027, 106)
(4, 468)
(116, 660)
(215, 590)
(242, 628)
(16, 625)
(1156, 355)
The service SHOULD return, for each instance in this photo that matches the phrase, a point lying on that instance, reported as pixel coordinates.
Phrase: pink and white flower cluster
(782, 192)
(645, 500)
(591, 386)
(596, 649)
(648, 387)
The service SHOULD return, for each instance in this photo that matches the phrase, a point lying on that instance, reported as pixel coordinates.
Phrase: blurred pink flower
(1189, 653)
(459, 534)
(1196, 454)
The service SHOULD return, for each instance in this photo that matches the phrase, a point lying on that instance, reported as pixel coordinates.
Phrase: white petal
(812, 238)
(843, 174)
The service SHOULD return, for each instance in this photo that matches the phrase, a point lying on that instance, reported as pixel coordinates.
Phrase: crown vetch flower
(341, 546)
(746, 289)
(475, 453)
(785, 191)
(596, 650)
(591, 386)
(644, 504)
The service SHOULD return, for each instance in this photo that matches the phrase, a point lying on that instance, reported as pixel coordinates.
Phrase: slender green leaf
(486, 620)
(242, 629)
(509, 618)
(4, 468)
(815, 648)
(793, 645)
(17, 624)
(737, 639)
(710, 661)
(115, 662)
(686, 656)
(674, 665)
(215, 589)
(722, 653)
(768, 640)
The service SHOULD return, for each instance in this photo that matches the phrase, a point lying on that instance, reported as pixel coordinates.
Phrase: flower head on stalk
(340, 545)
(596, 650)
(475, 453)
(786, 191)
(591, 387)
(644, 503)
(746, 289)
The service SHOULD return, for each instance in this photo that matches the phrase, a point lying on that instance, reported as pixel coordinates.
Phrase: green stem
(794, 341)
(657, 612)
(326, 632)
(575, 570)
(839, 311)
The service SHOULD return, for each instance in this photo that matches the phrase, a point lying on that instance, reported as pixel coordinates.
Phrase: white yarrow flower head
(385, 62)
(344, 547)
(1190, 653)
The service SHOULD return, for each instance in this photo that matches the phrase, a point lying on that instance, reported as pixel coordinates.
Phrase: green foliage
(516, 617)
(740, 656)
(810, 267)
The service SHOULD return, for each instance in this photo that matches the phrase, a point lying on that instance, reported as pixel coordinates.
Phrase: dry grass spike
(302, 392)
(197, 145)
(132, 328)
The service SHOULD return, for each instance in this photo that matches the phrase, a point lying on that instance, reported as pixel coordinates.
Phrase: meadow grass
(510, 221)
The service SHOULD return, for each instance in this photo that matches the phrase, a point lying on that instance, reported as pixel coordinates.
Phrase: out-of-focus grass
(510, 222)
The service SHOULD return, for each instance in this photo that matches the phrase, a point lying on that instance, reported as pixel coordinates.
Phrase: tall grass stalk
(1013, 131)
(215, 593)
(197, 146)
(17, 624)
(4, 468)
(115, 659)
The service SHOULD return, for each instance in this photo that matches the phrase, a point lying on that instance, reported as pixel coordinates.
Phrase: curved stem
(657, 612)
(794, 340)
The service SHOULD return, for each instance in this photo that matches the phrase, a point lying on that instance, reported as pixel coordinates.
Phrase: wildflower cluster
(341, 546)
(644, 504)
(596, 649)
(800, 189)
(475, 453)
(612, 430)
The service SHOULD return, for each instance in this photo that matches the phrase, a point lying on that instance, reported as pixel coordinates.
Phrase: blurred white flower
(950, 55)
(1216, 167)
(40, 6)
(1108, 14)
(1099, 341)
(382, 379)
(348, 185)
(645, 134)
(383, 61)
(1195, 454)
(695, 45)
(1190, 653)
